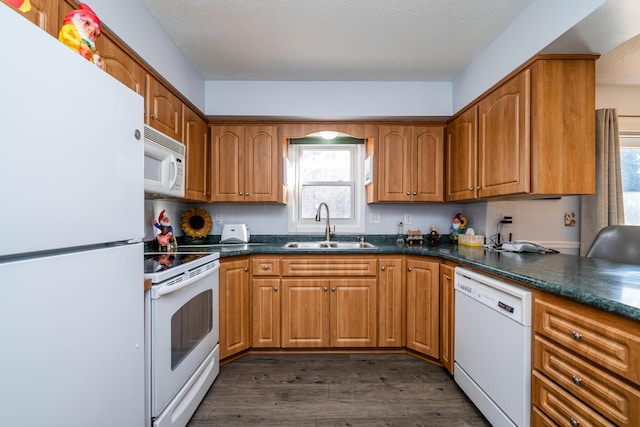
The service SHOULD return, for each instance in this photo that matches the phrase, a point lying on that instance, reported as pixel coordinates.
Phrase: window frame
(294, 188)
(629, 139)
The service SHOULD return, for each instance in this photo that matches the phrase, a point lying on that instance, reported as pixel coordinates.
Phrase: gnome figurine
(166, 241)
(79, 31)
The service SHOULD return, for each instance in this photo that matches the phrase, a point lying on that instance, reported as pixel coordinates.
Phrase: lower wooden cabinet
(586, 369)
(423, 302)
(447, 306)
(234, 307)
(392, 293)
(265, 310)
(329, 312)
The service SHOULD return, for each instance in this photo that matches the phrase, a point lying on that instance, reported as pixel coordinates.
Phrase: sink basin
(329, 245)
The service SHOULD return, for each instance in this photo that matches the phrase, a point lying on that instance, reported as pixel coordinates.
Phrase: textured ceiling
(354, 40)
(375, 40)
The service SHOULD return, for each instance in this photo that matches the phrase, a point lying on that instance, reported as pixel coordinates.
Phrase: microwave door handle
(165, 290)
(174, 165)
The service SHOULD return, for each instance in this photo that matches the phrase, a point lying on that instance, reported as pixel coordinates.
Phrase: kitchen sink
(329, 245)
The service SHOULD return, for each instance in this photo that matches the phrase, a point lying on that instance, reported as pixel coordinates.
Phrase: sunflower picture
(196, 223)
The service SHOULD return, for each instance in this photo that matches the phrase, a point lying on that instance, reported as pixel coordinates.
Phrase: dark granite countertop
(605, 285)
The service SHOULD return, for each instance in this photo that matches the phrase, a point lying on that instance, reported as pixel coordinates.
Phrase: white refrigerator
(71, 227)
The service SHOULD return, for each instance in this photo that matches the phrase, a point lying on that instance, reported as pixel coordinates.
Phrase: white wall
(138, 29)
(267, 219)
(328, 100)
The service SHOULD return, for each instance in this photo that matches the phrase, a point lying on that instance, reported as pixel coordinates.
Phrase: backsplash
(538, 220)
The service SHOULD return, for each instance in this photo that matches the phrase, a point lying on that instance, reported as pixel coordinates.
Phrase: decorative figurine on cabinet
(23, 6)
(166, 241)
(458, 225)
(79, 31)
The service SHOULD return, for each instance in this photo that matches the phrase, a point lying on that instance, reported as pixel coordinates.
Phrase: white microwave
(164, 162)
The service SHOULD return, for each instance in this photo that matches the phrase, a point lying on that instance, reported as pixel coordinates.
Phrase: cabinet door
(266, 313)
(391, 296)
(234, 307)
(227, 163)
(504, 150)
(422, 306)
(121, 66)
(43, 13)
(427, 164)
(394, 168)
(447, 295)
(196, 140)
(353, 311)
(305, 313)
(461, 159)
(163, 110)
(262, 157)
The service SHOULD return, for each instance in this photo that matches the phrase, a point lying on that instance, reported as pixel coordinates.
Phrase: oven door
(184, 331)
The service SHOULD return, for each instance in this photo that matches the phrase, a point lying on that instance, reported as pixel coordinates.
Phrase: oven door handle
(165, 290)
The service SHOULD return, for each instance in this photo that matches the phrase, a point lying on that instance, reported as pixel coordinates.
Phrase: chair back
(617, 243)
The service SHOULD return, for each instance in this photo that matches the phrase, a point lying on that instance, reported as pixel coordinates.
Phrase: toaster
(235, 233)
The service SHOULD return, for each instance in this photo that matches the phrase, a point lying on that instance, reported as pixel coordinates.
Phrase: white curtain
(605, 206)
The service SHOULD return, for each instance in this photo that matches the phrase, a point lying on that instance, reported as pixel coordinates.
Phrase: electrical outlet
(506, 219)
(219, 219)
(374, 218)
(408, 219)
(569, 219)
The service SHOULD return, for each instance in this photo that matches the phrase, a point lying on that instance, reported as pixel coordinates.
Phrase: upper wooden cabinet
(462, 156)
(246, 164)
(163, 110)
(43, 13)
(119, 64)
(195, 138)
(533, 134)
(408, 164)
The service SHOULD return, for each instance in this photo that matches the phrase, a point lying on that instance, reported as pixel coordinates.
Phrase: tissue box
(471, 239)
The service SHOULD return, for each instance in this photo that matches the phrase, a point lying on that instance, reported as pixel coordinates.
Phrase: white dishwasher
(493, 347)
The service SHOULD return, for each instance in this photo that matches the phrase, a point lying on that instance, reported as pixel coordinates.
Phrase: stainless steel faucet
(327, 230)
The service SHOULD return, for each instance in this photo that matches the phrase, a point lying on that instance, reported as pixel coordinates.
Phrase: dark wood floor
(335, 390)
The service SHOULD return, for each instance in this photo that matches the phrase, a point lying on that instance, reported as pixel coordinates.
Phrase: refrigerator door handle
(168, 289)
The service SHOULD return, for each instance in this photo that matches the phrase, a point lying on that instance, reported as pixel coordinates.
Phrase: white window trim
(342, 226)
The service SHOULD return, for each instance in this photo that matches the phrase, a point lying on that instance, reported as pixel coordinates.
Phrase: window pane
(325, 165)
(338, 198)
(630, 160)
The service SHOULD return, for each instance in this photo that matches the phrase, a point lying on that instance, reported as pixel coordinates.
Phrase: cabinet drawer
(603, 338)
(613, 398)
(561, 407)
(329, 267)
(265, 267)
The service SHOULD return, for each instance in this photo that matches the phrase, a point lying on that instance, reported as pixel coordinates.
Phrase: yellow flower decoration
(196, 222)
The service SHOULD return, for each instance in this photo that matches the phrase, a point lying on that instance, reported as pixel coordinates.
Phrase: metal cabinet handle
(414, 193)
(153, 116)
(382, 268)
(246, 194)
(240, 193)
(478, 187)
(576, 335)
(470, 188)
(409, 269)
(408, 193)
(574, 422)
(325, 289)
(265, 267)
(275, 289)
(446, 276)
(333, 289)
(246, 269)
(576, 380)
